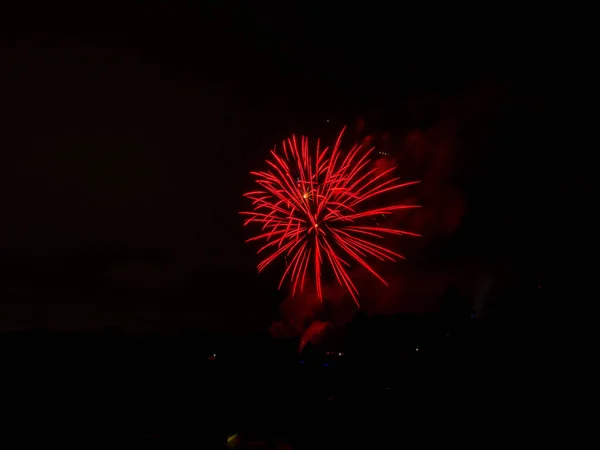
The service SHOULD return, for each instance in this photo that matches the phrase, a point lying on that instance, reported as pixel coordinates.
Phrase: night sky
(127, 138)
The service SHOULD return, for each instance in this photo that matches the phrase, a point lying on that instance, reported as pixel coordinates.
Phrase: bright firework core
(314, 210)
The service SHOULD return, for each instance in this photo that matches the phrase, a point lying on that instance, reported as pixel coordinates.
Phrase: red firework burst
(311, 210)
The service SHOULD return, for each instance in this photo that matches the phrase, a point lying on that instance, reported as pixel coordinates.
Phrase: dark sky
(127, 137)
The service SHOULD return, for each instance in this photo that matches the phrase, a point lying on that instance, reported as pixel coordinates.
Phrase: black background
(128, 135)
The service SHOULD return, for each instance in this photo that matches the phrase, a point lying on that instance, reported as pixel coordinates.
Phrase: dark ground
(460, 387)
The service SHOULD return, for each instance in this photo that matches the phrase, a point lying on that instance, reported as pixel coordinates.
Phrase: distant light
(340, 354)
(325, 365)
(327, 120)
(540, 286)
(416, 349)
(305, 195)
(301, 362)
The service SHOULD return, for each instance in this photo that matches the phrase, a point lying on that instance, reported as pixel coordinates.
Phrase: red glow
(310, 208)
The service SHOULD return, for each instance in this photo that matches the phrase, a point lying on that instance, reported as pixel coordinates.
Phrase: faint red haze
(442, 156)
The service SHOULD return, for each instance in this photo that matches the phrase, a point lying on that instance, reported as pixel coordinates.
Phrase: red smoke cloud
(442, 156)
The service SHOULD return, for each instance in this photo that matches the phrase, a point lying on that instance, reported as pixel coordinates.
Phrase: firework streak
(317, 210)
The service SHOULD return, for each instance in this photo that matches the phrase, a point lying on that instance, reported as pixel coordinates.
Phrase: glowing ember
(311, 209)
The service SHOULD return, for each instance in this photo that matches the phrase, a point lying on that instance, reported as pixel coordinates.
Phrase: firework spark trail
(309, 209)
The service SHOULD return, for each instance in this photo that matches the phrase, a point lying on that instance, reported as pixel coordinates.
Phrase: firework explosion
(314, 212)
